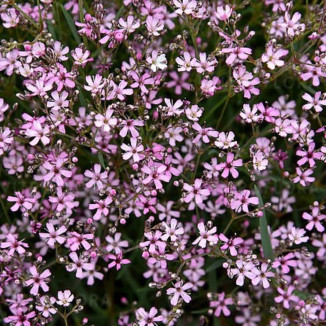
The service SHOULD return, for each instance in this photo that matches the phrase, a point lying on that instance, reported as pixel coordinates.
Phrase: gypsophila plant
(163, 162)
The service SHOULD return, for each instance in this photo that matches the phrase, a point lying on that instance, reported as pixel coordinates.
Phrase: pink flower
(185, 6)
(153, 241)
(46, 306)
(186, 63)
(179, 82)
(230, 244)
(133, 150)
(174, 135)
(312, 72)
(156, 173)
(65, 298)
(141, 81)
(239, 53)
(209, 86)
(304, 177)
(229, 166)
(58, 101)
(76, 240)
(147, 204)
(194, 112)
(95, 84)
(10, 18)
(179, 290)
(314, 219)
(92, 274)
(195, 192)
(209, 236)
(154, 26)
(39, 87)
(314, 102)
(10, 62)
(97, 177)
(204, 133)
(115, 243)
(246, 82)
(272, 57)
(285, 262)
(20, 318)
(221, 305)
(6, 139)
(63, 201)
(242, 200)
(262, 275)
(119, 91)
(296, 235)
(242, 270)
(129, 25)
(286, 296)
(105, 121)
(145, 318)
(157, 61)
(21, 202)
(204, 64)
(129, 126)
(55, 171)
(14, 245)
(309, 155)
(102, 207)
(38, 280)
(172, 231)
(292, 25)
(250, 115)
(54, 236)
(60, 51)
(321, 244)
(117, 261)
(39, 132)
(78, 264)
(81, 56)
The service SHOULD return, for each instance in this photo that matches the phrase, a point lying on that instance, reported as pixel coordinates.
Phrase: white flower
(194, 112)
(259, 161)
(65, 298)
(157, 61)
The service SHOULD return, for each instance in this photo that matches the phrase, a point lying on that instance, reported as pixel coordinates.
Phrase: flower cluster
(162, 162)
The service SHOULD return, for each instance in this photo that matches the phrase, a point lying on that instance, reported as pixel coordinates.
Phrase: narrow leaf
(71, 24)
(263, 226)
(101, 159)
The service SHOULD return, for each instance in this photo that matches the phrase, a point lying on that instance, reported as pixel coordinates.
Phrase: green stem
(81, 10)
(66, 320)
(223, 111)
(228, 226)
(40, 19)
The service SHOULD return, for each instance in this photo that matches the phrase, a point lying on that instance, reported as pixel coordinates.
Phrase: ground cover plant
(162, 162)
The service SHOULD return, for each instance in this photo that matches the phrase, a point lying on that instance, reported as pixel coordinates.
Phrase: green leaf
(51, 29)
(308, 88)
(71, 24)
(82, 98)
(216, 264)
(119, 13)
(302, 295)
(263, 226)
(101, 159)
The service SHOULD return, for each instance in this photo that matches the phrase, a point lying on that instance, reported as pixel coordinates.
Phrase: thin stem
(228, 226)
(65, 317)
(81, 10)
